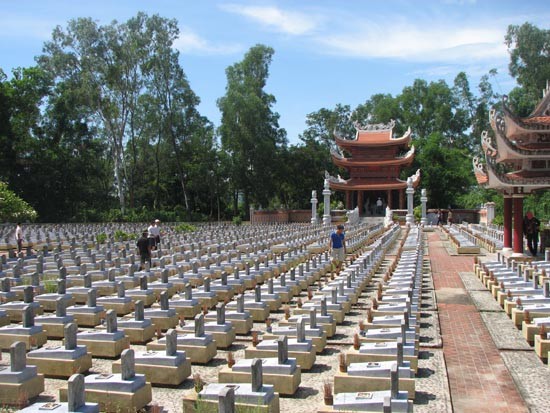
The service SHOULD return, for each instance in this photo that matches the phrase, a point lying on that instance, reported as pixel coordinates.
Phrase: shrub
(237, 220)
(13, 208)
(185, 227)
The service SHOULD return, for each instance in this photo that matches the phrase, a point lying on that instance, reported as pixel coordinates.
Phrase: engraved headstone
(18, 356)
(226, 400)
(301, 330)
(63, 272)
(394, 380)
(28, 316)
(164, 276)
(143, 282)
(188, 291)
(61, 286)
(282, 349)
(60, 307)
(111, 321)
(257, 376)
(70, 331)
(171, 342)
(313, 318)
(334, 296)
(199, 325)
(164, 305)
(88, 281)
(399, 351)
(323, 306)
(35, 279)
(139, 312)
(270, 286)
(206, 285)
(28, 294)
(121, 291)
(220, 313)
(127, 364)
(91, 297)
(240, 303)
(257, 294)
(75, 393)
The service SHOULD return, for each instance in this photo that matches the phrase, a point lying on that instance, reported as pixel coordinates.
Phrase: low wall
(280, 216)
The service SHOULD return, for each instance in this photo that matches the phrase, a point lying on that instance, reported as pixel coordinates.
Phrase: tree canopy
(106, 127)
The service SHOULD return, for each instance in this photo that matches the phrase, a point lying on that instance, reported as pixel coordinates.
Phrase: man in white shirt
(19, 237)
(151, 235)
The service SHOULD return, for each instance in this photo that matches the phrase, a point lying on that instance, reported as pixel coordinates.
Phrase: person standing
(144, 248)
(439, 217)
(379, 205)
(337, 246)
(151, 235)
(450, 217)
(19, 237)
(531, 228)
(157, 232)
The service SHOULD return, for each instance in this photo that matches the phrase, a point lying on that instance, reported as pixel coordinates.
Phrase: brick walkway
(478, 378)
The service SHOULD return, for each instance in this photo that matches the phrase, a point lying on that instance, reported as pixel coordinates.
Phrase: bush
(498, 220)
(123, 236)
(237, 220)
(185, 227)
(101, 238)
(13, 208)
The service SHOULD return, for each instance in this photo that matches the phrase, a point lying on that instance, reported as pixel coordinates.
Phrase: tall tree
(529, 48)
(249, 128)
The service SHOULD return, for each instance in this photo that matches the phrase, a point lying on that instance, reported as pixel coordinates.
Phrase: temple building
(517, 162)
(373, 160)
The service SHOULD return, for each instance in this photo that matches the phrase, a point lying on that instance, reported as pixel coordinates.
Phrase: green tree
(529, 48)
(249, 130)
(13, 208)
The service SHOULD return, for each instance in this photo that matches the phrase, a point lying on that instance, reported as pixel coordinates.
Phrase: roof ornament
(487, 145)
(372, 127)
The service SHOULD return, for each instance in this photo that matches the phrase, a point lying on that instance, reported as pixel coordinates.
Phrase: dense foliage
(106, 128)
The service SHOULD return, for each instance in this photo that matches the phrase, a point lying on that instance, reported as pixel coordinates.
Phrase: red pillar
(389, 199)
(507, 221)
(518, 224)
(348, 200)
(401, 199)
(360, 202)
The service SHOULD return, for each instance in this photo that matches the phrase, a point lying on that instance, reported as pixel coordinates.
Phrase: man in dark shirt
(337, 247)
(144, 248)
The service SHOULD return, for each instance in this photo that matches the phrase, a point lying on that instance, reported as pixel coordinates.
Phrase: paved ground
(478, 378)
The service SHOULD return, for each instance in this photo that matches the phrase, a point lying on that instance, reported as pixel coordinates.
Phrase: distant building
(373, 160)
(517, 162)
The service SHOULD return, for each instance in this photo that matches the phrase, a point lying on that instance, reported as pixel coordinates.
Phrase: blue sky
(326, 51)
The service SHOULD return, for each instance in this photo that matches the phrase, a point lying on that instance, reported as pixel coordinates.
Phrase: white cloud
(190, 42)
(287, 22)
(419, 41)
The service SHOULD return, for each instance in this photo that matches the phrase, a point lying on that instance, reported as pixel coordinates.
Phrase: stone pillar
(518, 223)
(507, 223)
(326, 196)
(424, 199)
(314, 207)
(490, 207)
(410, 192)
(401, 199)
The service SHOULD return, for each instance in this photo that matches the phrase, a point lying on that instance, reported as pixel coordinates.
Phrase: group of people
(440, 219)
(149, 241)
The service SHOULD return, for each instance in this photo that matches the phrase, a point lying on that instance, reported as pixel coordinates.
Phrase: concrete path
(478, 378)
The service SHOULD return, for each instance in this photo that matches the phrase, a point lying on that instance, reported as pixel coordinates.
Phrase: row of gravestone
(109, 324)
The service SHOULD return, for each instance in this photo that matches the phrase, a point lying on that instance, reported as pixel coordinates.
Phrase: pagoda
(517, 162)
(373, 159)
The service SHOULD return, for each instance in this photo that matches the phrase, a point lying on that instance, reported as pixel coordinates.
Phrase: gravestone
(220, 313)
(75, 393)
(282, 349)
(226, 400)
(70, 331)
(256, 373)
(127, 367)
(199, 325)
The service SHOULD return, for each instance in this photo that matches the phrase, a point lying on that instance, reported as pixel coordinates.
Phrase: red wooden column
(518, 223)
(360, 202)
(401, 198)
(348, 200)
(389, 199)
(507, 221)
